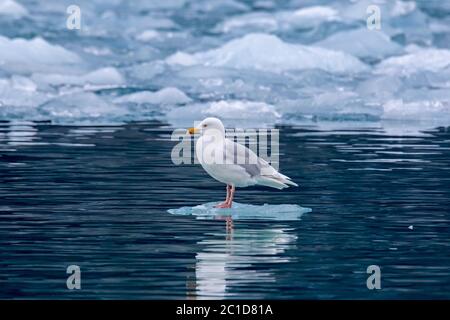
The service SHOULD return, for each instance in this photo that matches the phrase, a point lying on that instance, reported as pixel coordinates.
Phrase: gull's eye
(205, 125)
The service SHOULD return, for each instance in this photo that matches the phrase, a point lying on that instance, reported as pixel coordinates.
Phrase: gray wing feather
(243, 159)
(252, 169)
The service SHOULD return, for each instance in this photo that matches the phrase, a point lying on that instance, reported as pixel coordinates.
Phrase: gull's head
(209, 127)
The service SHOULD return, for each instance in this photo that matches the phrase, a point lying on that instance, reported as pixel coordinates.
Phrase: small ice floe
(167, 95)
(411, 227)
(23, 56)
(182, 59)
(100, 78)
(12, 9)
(436, 61)
(437, 110)
(250, 113)
(240, 211)
(148, 35)
(362, 43)
(17, 93)
(259, 51)
(303, 18)
(79, 107)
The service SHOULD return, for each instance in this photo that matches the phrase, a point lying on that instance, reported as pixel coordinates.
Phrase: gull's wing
(244, 157)
(254, 166)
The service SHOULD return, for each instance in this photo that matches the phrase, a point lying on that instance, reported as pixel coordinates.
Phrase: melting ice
(241, 211)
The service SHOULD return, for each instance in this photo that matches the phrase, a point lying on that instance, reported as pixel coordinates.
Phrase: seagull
(232, 163)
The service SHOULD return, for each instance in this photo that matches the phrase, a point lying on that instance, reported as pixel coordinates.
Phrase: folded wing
(257, 168)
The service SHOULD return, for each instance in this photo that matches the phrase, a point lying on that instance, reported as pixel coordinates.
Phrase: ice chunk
(98, 51)
(23, 83)
(417, 110)
(104, 77)
(80, 107)
(19, 92)
(219, 6)
(254, 21)
(148, 35)
(269, 53)
(142, 72)
(439, 79)
(164, 96)
(423, 59)
(309, 24)
(242, 109)
(363, 43)
(218, 83)
(35, 55)
(242, 112)
(401, 8)
(304, 18)
(381, 88)
(181, 58)
(337, 105)
(155, 5)
(241, 211)
(10, 8)
(314, 15)
(399, 18)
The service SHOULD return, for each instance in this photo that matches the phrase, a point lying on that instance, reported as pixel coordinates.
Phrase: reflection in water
(233, 260)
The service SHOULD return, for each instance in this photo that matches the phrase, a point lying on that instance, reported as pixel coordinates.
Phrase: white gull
(232, 163)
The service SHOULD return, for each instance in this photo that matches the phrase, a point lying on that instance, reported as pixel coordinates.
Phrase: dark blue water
(98, 197)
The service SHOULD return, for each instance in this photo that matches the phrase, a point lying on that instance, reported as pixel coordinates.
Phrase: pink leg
(225, 203)
(231, 197)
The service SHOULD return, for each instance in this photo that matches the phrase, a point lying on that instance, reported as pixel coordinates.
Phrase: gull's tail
(278, 180)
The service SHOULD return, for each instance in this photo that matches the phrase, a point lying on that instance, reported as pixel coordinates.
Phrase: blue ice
(241, 211)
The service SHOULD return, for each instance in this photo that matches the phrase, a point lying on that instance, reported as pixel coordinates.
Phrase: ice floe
(417, 110)
(241, 211)
(148, 35)
(219, 6)
(362, 43)
(17, 92)
(269, 53)
(104, 77)
(303, 18)
(317, 13)
(436, 60)
(181, 58)
(170, 96)
(12, 9)
(79, 107)
(231, 112)
(253, 21)
(35, 55)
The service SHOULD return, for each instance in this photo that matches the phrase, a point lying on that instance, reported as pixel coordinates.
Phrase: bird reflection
(230, 259)
(229, 228)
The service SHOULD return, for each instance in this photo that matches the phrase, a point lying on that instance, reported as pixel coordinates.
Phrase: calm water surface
(98, 197)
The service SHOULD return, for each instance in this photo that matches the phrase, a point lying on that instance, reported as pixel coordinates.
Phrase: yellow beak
(192, 130)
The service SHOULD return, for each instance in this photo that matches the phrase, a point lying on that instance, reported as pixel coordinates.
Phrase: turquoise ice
(241, 211)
